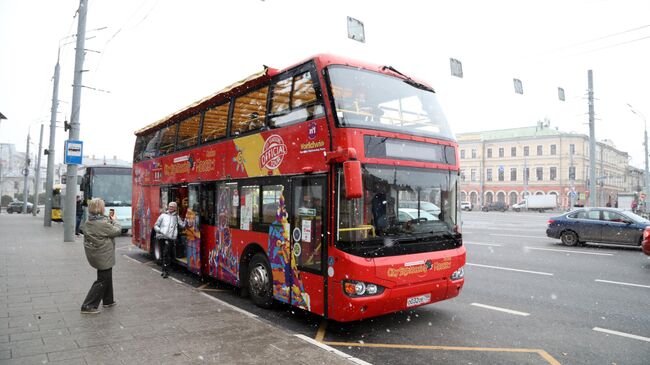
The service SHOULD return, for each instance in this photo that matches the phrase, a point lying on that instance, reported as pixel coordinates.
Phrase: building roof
(513, 133)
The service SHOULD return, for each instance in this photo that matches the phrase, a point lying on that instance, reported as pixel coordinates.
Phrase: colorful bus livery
(313, 186)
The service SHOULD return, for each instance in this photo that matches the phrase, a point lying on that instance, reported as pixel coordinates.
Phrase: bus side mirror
(352, 177)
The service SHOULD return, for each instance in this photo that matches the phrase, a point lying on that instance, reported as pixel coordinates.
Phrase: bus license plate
(422, 299)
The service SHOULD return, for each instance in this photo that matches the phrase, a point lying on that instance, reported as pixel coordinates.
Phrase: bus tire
(260, 281)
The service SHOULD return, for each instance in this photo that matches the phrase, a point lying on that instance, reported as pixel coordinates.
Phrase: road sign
(73, 152)
(572, 194)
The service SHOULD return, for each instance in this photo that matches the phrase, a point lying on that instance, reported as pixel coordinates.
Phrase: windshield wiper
(409, 80)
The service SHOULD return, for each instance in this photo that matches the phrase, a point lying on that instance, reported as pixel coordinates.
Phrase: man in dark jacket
(80, 214)
(99, 245)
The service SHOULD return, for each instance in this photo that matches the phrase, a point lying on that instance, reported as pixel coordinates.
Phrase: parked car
(466, 206)
(17, 207)
(645, 245)
(424, 205)
(500, 206)
(409, 214)
(602, 225)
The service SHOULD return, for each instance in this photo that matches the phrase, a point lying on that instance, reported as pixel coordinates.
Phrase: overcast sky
(157, 56)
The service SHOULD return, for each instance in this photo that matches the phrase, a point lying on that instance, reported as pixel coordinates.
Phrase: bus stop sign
(73, 152)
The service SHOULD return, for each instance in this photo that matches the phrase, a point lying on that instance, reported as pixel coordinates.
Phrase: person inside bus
(80, 214)
(167, 227)
(99, 245)
(379, 212)
(255, 122)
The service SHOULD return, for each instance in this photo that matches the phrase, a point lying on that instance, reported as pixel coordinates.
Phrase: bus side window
(215, 122)
(294, 100)
(167, 139)
(188, 132)
(249, 112)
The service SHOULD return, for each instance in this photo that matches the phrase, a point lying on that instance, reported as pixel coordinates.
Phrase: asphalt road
(527, 300)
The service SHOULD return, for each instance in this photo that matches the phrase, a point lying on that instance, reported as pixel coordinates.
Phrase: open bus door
(188, 245)
(307, 217)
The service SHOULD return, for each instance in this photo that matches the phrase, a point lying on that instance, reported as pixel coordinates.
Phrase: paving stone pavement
(43, 281)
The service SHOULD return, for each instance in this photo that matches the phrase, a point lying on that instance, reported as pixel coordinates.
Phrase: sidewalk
(44, 280)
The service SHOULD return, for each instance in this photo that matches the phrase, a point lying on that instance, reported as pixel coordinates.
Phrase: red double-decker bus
(331, 185)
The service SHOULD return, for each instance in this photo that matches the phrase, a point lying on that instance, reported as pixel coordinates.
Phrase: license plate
(422, 299)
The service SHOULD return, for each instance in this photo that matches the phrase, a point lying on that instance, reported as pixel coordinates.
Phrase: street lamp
(645, 143)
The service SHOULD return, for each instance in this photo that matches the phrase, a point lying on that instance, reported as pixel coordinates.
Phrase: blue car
(602, 225)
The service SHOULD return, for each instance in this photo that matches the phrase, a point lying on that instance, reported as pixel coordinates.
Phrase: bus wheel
(260, 286)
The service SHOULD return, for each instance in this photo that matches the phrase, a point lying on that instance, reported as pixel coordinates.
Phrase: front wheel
(569, 238)
(260, 281)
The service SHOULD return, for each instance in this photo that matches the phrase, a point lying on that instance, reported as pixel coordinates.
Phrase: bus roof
(260, 77)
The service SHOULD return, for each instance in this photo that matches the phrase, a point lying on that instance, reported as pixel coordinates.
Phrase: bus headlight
(458, 274)
(355, 288)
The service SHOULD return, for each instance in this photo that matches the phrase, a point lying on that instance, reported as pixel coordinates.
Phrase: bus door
(207, 223)
(307, 217)
(179, 194)
(191, 234)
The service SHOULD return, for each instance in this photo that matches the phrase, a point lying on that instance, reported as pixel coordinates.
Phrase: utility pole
(26, 175)
(645, 144)
(38, 173)
(71, 174)
(592, 141)
(49, 179)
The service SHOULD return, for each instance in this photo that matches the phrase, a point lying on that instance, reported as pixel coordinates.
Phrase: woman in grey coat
(99, 245)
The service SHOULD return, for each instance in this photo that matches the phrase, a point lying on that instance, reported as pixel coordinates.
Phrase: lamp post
(645, 143)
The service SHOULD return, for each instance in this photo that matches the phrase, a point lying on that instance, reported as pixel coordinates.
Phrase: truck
(626, 201)
(539, 203)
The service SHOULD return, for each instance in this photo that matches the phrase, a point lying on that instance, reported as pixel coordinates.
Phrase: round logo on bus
(273, 152)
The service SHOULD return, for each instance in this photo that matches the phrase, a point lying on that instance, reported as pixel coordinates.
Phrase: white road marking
(622, 334)
(237, 309)
(332, 350)
(569, 251)
(482, 244)
(620, 283)
(158, 271)
(176, 280)
(510, 269)
(131, 259)
(515, 235)
(517, 313)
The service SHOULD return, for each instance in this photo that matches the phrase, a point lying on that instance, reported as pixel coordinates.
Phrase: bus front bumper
(393, 299)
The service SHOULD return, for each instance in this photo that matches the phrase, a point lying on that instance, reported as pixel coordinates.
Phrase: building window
(501, 174)
(488, 174)
(462, 174)
(513, 174)
(501, 152)
(572, 172)
(553, 173)
(472, 174)
(539, 150)
(489, 153)
(540, 173)
(473, 153)
(553, 150)
(462, 154)
(513, 151)
(572, 149)
(526, 151)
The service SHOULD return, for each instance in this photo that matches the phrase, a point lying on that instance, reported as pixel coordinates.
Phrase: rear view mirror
(352, 178)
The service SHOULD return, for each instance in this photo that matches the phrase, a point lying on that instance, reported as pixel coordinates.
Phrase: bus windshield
(115, 189)
(400, 207)
(372, 100)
